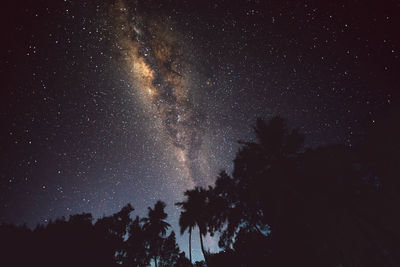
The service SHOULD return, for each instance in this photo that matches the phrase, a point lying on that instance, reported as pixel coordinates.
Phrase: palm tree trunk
(190, 244)
(202, 248)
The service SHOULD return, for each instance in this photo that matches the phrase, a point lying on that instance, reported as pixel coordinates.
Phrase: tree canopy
(282, 205)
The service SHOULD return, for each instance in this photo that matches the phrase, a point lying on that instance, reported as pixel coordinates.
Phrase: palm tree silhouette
(156, 227)
(136, 246)
(194, 214)
(186, 221)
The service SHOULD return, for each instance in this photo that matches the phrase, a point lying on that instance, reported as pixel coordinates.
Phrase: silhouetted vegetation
(116, 240)
(282, 205)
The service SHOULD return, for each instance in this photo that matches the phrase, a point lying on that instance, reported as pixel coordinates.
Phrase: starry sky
(105, 103)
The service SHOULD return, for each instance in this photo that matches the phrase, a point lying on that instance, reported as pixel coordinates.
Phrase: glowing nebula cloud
(155, 60)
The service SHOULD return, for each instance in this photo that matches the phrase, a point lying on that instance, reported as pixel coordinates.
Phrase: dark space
(199, 133)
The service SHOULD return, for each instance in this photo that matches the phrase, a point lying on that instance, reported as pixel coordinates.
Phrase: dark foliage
(116, 240)
(283, 205)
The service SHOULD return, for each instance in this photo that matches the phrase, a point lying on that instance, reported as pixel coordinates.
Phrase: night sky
(105, 103)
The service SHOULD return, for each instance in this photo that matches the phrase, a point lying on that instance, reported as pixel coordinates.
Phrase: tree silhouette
(169, 251)
(187, 221)
(195, 213)
(316, 205)
(112, 231)
(136, 246)
(156, 227)
(73, 242)
(282, 205)
(182, 261)
(252, 198)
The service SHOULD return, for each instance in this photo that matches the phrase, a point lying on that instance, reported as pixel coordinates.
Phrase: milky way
(155, 58)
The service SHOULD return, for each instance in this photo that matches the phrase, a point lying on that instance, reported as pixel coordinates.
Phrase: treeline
(286, 205)
(282, 205)
(116, 240)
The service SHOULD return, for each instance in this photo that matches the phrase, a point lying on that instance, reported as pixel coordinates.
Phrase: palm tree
(136, 245)
(156, 228)
(186, 221)
(194, 214)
